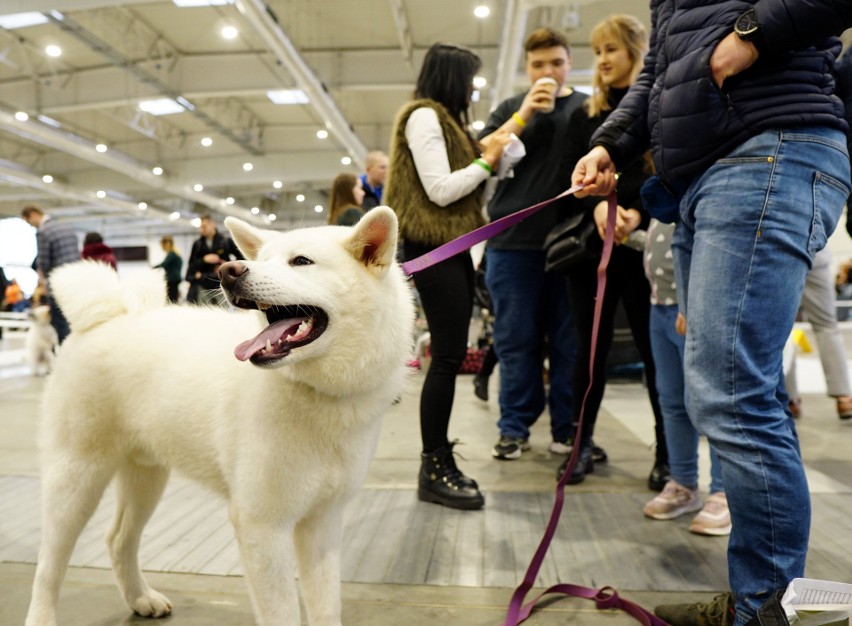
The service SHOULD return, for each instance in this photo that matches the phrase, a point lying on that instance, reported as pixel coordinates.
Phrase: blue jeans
(750, 227)
(529, 306)
(681, 436)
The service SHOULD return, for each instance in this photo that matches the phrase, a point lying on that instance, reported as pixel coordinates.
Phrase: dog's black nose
(229, 272)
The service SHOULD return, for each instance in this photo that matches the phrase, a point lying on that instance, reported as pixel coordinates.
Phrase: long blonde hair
(629, 32)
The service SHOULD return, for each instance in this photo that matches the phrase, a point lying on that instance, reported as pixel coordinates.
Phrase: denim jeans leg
(681, 436)
(515, 280)
(750, 227)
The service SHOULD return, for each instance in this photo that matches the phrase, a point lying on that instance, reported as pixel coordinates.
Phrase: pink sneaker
(673, 501)
(714, 519)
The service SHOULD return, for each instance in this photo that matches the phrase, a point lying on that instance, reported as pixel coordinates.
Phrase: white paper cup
(552, 85)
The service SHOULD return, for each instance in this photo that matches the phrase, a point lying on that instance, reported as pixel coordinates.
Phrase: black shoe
(510, 448)
(585, 465)
(599, 454)
(660, 475)
(441, 482)
(480, 387)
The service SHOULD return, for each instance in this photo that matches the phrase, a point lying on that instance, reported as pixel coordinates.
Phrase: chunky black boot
(442, 482)
(585, 465)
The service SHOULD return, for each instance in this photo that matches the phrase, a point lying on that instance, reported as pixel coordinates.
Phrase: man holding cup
(529, 304)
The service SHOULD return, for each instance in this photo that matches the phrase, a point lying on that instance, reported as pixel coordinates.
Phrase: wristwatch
(748, 28)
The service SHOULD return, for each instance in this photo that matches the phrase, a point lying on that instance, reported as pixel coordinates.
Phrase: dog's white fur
(41, 341)
(140, 387)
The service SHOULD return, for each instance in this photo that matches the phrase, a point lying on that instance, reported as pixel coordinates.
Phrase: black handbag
(574, 240)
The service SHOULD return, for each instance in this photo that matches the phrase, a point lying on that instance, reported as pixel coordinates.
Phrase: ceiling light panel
(200, 3)
(161, 106)
(21, 20)
(288, 96)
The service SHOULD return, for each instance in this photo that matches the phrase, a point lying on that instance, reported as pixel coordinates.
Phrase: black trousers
(626, 282)
(446, 294)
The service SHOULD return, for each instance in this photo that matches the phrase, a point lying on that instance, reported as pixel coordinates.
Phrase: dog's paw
(152, 604)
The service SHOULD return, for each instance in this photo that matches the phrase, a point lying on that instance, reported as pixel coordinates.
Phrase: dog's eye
(301, 260)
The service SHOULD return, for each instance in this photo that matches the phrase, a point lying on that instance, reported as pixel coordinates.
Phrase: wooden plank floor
(422, 563)
(390, 537)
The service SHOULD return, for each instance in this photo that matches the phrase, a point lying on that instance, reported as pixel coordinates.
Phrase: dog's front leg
(270, 568)
(318, 539)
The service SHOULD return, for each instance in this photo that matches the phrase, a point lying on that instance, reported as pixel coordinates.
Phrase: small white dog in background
(41, 341)
(278, 409)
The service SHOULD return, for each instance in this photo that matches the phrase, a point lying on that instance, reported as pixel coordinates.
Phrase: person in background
(57, 245)
(373, 179)
(532, 316)
(619, 43)
(13, 298)
(172, 264)
(668, 327)
(344, 208)
(95, 249)
(209, 251)
(820, 307)
(435, 184)
(757, 184)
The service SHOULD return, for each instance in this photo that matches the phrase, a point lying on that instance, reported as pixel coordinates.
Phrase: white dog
(283, 425)
(41, 341)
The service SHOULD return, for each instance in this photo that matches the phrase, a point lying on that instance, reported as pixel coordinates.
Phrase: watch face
(747, 23)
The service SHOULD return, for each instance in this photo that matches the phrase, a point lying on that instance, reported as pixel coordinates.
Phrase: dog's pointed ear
(373, 241)
(248, 238)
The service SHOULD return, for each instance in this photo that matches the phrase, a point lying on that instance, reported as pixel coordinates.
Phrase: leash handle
(606, 598)
(468, 240)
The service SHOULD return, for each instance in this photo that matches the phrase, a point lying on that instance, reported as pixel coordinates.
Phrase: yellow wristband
(518, 119)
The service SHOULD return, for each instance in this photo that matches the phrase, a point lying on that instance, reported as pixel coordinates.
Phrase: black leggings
(626, 282)
(446, 293)
(172, 291)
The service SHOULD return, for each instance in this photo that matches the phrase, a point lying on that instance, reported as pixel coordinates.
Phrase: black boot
(480, 387)
(659, 476)
(585, 465)
(442, 482)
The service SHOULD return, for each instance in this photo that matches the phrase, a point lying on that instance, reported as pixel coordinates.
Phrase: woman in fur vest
(435, 182)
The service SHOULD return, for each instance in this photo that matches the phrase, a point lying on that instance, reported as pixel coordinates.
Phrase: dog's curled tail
(90, 293)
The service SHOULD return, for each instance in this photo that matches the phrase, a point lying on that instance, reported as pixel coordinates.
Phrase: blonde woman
(619, 43)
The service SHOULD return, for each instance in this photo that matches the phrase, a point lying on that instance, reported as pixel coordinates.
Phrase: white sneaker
(714, 519)
(557, 447)
(673, 501)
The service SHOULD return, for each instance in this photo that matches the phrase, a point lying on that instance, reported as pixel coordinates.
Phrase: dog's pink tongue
(273, 333)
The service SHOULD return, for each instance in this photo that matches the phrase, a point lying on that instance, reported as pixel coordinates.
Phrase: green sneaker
(719, 612)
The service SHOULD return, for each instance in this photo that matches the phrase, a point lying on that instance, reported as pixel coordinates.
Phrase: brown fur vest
(420, 219)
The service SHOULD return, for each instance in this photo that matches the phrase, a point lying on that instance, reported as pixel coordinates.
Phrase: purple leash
(606, 597)
(462, 243)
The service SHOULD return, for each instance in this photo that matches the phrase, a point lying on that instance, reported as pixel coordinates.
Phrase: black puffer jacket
(677, 109)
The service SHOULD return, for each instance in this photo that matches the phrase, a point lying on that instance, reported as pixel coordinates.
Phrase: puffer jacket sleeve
(625, 133)
(797, 24)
